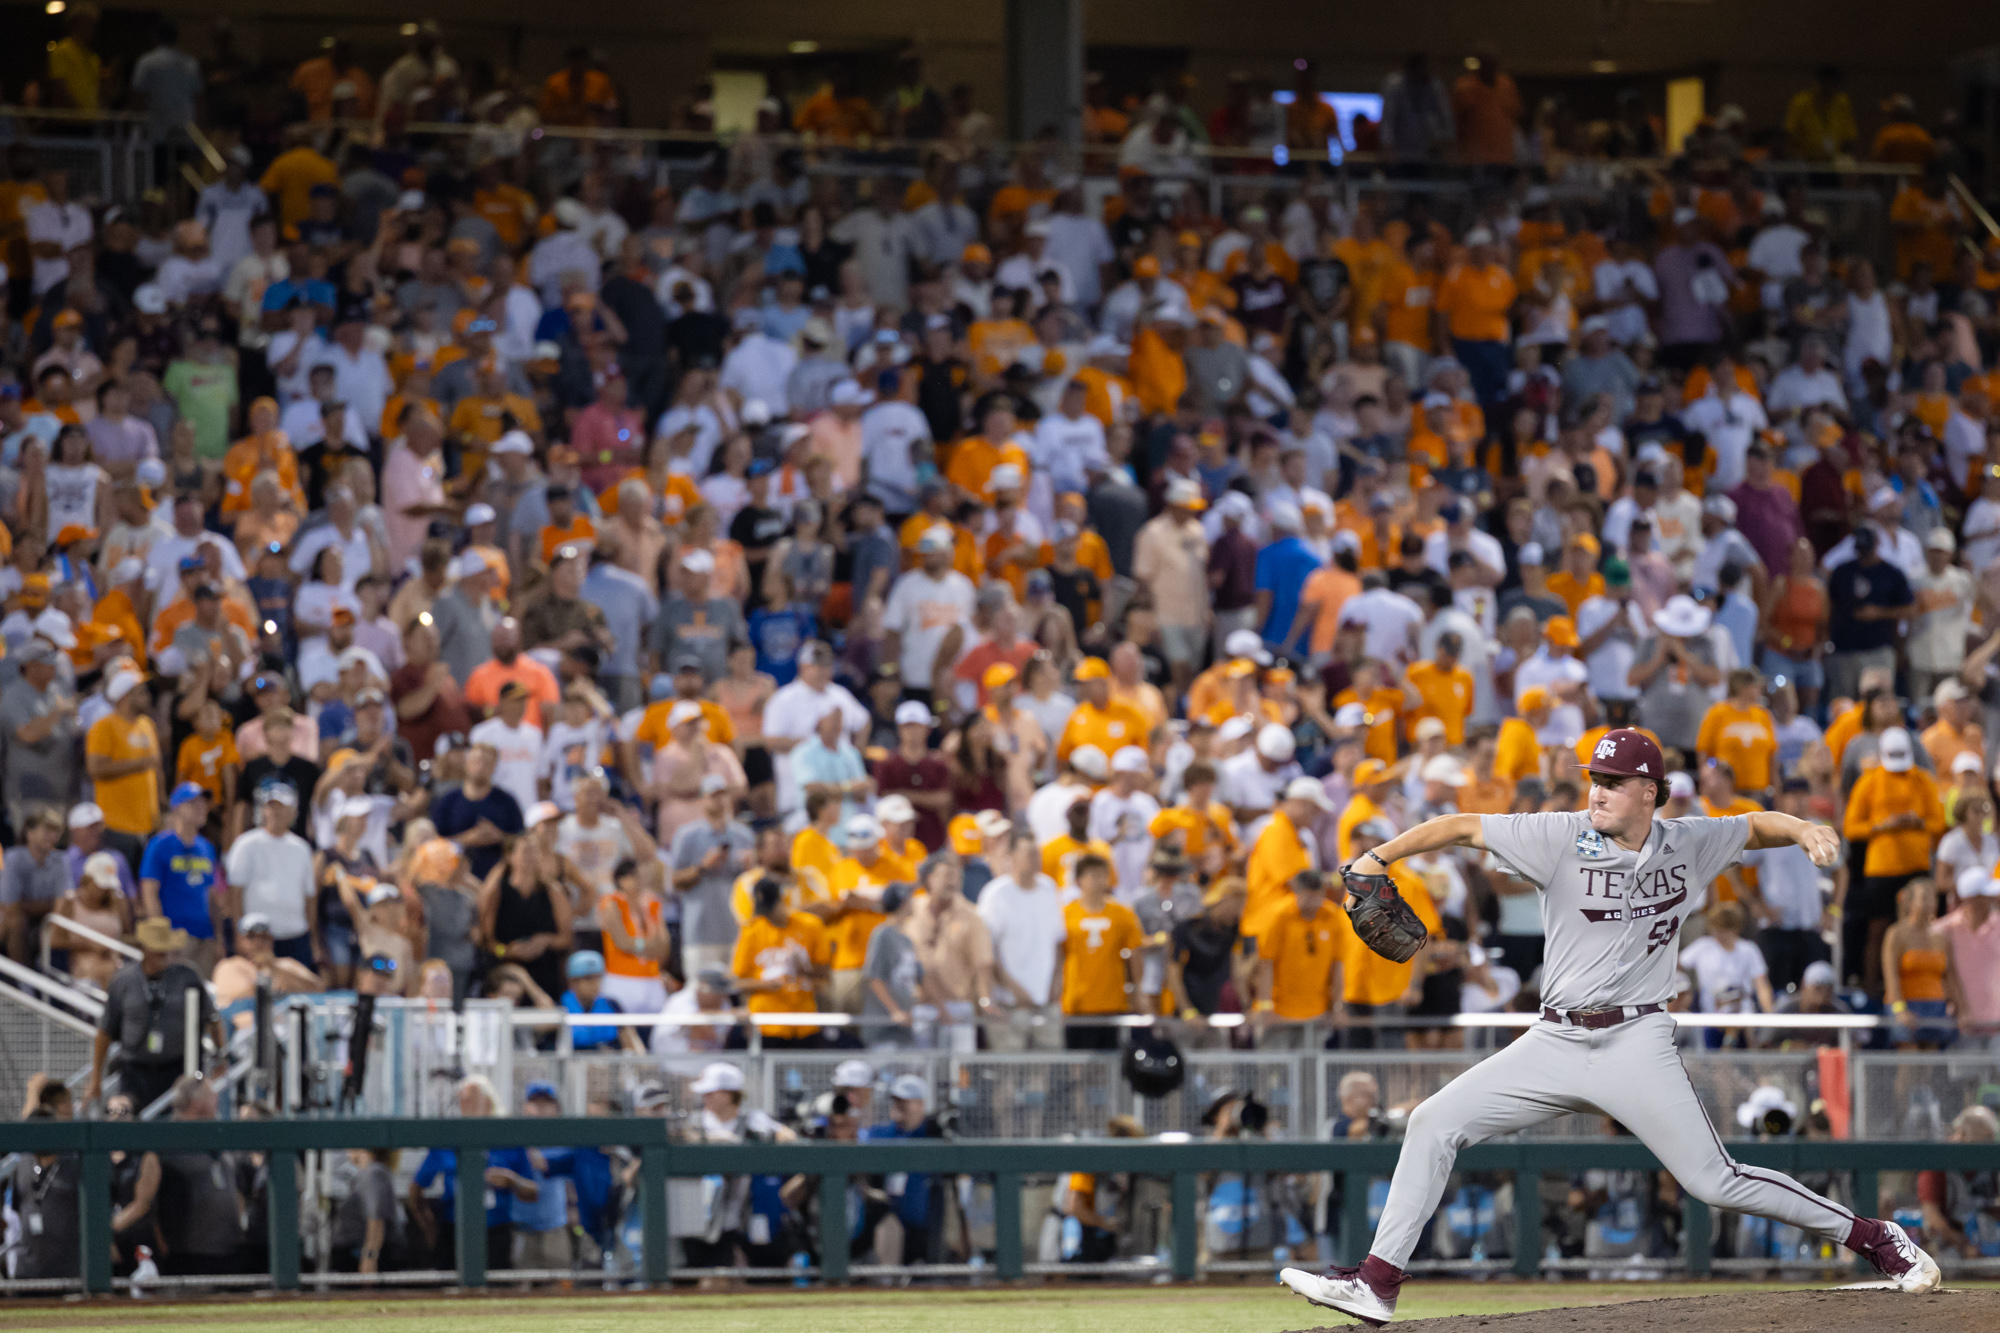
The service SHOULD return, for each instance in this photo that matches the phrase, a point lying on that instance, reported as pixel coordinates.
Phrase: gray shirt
(371, 1199)
(36, 883)
(1217, 375)
(147, 1016)
(45, 771)
(706, 917)
(892, 960)
(722, 627)
(1672, 708)
(170, 80)
(1613, 917)
(465, 639)
(629, 609)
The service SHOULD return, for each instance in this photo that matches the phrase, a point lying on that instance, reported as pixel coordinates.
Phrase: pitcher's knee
(1431, 1123)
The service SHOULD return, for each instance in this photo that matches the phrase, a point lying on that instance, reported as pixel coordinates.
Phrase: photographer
(1090, 1205)
(834, 1118)
(904, 1217)
(1360, 1108)
(1235, 1221)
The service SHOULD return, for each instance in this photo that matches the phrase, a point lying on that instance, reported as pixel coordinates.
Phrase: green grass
(1252, 1308)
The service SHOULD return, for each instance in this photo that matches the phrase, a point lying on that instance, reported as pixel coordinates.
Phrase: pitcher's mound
(1836, 1311)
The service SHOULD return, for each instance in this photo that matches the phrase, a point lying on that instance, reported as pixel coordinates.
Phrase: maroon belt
(1600, 1018)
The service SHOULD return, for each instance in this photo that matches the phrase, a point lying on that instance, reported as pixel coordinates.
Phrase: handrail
(545, 1018)
(1221, 154)
(46, 1010)
(49, 986)
(101, 940)
(1181, 1160)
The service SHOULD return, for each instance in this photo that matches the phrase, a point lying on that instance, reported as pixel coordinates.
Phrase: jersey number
(1662, 932)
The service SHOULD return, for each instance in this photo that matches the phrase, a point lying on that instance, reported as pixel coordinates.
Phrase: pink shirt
(305, 739)
(409, 479)
(1976, 955)
(608, 442)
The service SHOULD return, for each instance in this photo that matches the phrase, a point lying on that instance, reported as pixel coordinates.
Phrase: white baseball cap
(910, 1088)
(1247, 643)
(1235, 729)
(718, 1077)
(1308, 789)
(853, 1074)
(1275, 742)
(895, 810)
(938, 539)
(1967, 762)
(1896, 750)
(121, 685)
(698, 562)
(1680, 785)
(1005, 477)
(1973, 882)
(541, 812)
(1428, 727)
(913, 714)
(1350, 715)
(1447, 770)
(102, 868)
(862, 829)
(479, 513)
(683, 712)
(1131, 759)
(83, 816)
(513, 442)
(1089, 761)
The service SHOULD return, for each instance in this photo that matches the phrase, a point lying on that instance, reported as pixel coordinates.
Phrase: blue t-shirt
(186, 874)
(589, 1171)
(913, 1204)
(442, 1164)
(591, 1038)
(777, 637)
(455, 813)
(1282, 570)
(317, 291)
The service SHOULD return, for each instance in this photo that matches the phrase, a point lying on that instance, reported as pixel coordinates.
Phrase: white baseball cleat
(1344, 1290)
(1897, 1257)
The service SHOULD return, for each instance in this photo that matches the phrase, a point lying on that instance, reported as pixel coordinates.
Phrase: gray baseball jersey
(1613, 917)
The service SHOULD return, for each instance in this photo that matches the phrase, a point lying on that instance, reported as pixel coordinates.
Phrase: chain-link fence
(1917, 1095)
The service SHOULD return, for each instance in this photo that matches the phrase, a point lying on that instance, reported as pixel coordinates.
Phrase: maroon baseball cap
(1624, 752)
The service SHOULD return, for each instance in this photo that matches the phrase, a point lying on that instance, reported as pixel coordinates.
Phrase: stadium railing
(1182, 1163)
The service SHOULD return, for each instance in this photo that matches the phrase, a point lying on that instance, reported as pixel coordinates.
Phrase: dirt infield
(1751, 1312)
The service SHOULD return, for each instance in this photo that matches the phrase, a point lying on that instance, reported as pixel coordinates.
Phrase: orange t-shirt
(1476, 302)
(1094, 971)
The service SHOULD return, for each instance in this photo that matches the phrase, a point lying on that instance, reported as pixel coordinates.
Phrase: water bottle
(1479, 1250)
(611, 1265)
(1281, 1255)
(145, 1274)
(1552, 1255)
(801, 1261)
(977, 1263)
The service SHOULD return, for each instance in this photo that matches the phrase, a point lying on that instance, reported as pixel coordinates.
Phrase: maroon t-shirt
(898, 775)
(447, 713)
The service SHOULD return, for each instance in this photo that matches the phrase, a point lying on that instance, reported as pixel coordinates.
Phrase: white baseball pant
(1631, 1072)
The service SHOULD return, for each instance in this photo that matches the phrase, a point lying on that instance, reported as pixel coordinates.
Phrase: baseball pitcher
(1616, 885)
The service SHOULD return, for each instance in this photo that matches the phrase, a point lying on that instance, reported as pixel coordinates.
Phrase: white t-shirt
(355, 557)
(1610, 665)
(520, 755)
(1725, 980)
(1048, 809)
(1730, 425)
(792, 713)
(923, 610)
(1028, 928)
(1389, 617)
(275, 876)
(567, 746)
(374, 838)
(1243, 783)
(594, 851)
(1126, 822)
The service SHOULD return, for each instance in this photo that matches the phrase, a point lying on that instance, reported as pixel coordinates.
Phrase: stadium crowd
(979, 602)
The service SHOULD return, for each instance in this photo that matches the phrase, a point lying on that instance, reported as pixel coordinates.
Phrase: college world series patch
(1590, 844)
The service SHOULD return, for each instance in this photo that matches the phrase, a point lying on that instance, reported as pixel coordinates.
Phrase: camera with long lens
(1776, 1122)
(1253, 1115)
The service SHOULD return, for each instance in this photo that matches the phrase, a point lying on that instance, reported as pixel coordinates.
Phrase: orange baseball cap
(67, 319)
(1587, 542)
(1368, 772)
(1146, 266)
(1000, 673)
(75, 532)
(1561, 631)
(1239, 668)
(1189, 238)
(965, 836)
(975, 254)
(35, 588)
(1093, 668)
(1535, 698)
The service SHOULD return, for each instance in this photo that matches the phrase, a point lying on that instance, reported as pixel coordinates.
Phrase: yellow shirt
(1110, 729)
(1278, 854)
(788, 953)
(131, 803)
(202, 761)
(1744, 738)
(813, 850)
(653, 730)
(1094, 975)
(1574, 591)
(1059, 858)
(1303, 954)
(1519, 753)
(851, 931)
(1881, 794)
(1447, 696)
(1204, 828)
(291, 176)
(79, 69)
(808, 888)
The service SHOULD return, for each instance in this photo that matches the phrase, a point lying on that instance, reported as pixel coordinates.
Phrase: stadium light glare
(804, 47)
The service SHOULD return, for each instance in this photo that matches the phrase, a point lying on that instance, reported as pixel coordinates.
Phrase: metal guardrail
(662, 1159)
